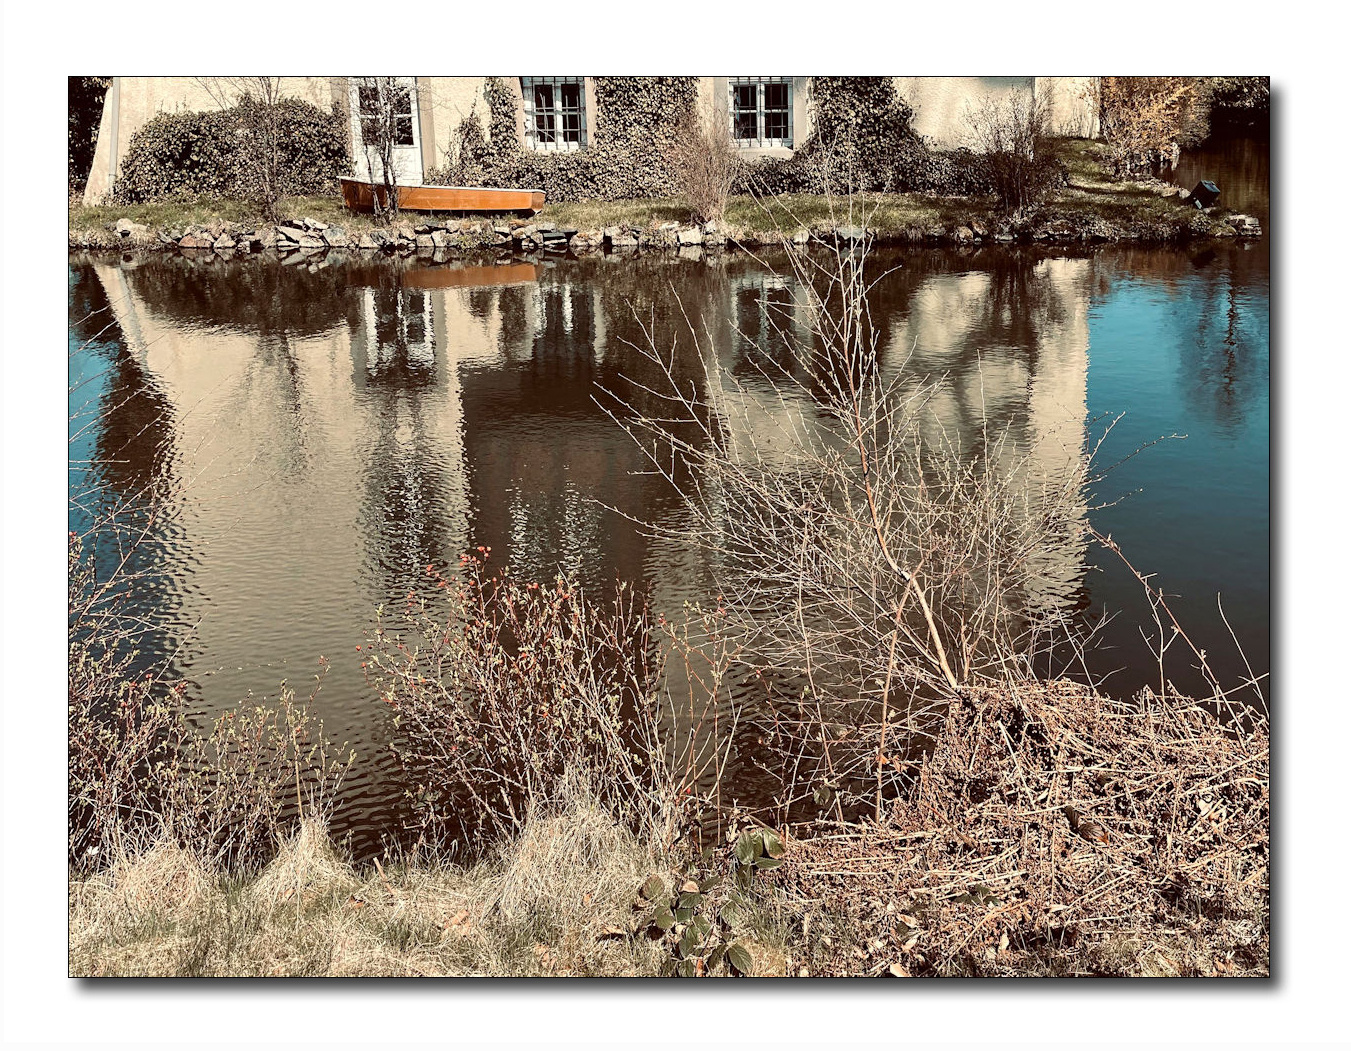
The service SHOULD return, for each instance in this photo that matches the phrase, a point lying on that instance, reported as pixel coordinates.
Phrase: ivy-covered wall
(861, 138)
(627, 155)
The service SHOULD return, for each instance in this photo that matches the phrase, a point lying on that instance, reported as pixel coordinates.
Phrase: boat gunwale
(434, 186)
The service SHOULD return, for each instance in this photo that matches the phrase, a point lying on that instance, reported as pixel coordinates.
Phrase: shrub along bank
(185, 156)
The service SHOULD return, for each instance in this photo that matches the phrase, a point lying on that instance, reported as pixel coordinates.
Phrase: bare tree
(705, 161)
(1013, 137)
(257, 104)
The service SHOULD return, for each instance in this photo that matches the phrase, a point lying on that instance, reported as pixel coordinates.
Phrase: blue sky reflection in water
(324, 433)
(1189, 355)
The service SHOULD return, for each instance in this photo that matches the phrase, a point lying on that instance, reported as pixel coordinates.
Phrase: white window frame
(408, 157)
(760, 139)
(557, 112)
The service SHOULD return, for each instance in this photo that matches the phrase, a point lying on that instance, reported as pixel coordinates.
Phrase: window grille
(401, 106)
(555, 112)
(761, 110)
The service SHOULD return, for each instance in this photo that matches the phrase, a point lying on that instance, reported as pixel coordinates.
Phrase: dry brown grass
(1158, 866)
(540, 907)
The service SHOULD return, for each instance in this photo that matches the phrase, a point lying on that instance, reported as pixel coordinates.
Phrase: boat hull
(360, 197)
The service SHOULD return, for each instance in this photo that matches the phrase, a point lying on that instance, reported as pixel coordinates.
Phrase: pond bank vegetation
(1052, 832)
(1092, 205)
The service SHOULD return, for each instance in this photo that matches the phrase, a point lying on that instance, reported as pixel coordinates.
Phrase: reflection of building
(766, 116)
(321, 471)
(544, 461)
(1004, 349)
(1007, 350)
(336, 430)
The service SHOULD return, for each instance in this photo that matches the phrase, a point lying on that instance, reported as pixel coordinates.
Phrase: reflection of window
(555, 112)
(762, 111)
(763, 311)
(400, 347)
(400, 110)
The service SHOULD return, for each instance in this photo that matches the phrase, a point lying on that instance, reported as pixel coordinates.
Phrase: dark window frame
(555, 112)
(760, 111)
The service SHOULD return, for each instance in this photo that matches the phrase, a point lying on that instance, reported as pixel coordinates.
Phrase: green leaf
(715, 957)
(653, 890)
(730, 913)
(709, 884)
(768, 863)
(690, 900)
(684, 915)
(773, 844)
(685, 968)
(663, 917)
(740, 958)
(748, 847)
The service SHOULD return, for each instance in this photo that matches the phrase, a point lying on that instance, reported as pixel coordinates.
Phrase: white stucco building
(768, 116)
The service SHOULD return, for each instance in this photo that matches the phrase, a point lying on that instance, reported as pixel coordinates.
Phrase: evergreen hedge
(204, 154)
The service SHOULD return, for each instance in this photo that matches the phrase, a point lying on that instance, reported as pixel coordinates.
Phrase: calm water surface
(322, 432)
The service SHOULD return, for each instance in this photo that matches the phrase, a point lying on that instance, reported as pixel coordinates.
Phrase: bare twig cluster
(1146, 119)
(513, 688)
(1053, 830)
(1013, 138)
(139, 770)
(870, 566)
(705, 161)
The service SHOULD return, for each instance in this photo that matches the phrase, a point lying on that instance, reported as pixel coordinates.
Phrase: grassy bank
(978, 871)
(1093, 206)
(556, 901)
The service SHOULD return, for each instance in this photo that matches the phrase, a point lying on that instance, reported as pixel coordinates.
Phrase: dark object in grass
(1086, 826)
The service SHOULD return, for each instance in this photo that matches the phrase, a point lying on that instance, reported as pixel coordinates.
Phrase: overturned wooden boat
(360, 195)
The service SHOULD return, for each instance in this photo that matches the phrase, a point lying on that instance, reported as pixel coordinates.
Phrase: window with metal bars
(400, 110)
(761, 110)
(555, 112)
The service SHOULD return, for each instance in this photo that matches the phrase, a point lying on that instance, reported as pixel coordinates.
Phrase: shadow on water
(332, 431)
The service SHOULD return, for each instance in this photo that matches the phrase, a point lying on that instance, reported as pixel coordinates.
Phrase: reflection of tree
(133, 440)
(1223, 362)
(124, 488)
(242, 294)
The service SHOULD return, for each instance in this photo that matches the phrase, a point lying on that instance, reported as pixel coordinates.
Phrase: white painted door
(407, 143)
